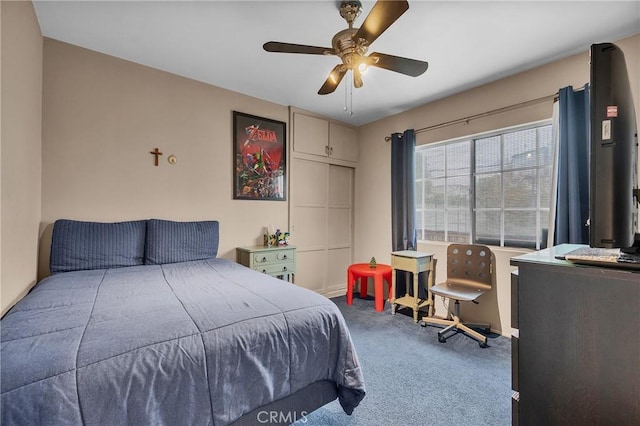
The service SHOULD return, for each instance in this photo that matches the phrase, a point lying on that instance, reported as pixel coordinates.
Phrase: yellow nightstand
(279, 262)
(414, 262)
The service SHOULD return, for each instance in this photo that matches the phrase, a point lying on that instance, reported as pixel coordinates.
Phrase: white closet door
(309, 188)
(321, 224)
(343, 142)
(340, 226)
(310, 135)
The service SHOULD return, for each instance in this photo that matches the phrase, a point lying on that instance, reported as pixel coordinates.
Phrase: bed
(140, 323)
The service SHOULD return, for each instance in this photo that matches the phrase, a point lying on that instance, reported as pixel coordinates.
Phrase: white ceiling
(467, 43)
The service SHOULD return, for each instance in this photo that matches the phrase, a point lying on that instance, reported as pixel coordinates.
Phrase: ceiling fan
(351, 45)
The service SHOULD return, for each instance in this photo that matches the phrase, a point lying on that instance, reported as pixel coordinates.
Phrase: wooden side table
(279, 261)
(364, 271)
(414, 262)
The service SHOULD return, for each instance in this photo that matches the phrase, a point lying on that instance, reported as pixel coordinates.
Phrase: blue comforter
(200, 342)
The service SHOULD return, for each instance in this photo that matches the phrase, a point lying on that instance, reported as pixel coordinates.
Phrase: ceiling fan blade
(335, 77)
(382, 15)
(406, 66)
(276, 46)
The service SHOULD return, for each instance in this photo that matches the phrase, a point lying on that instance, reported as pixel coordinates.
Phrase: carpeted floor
(412, 379)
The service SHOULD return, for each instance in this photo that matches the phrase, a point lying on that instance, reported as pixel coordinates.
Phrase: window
(492, 189)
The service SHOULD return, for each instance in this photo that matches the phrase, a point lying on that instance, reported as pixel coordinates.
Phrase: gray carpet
(412, 379)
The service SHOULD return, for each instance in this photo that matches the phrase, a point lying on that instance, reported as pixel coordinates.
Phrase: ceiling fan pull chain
(348, 97)
(351, 95)
(346, 107)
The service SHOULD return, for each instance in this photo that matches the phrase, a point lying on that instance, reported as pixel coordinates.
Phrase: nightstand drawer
(277, 268)
(260, 258)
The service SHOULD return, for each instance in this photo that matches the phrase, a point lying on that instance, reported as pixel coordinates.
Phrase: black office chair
(469, 276)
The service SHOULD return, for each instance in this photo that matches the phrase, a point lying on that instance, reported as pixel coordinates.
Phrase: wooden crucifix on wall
(156, 152)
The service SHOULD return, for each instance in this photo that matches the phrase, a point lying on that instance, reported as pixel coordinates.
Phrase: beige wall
(102, 117)
(21, 149)
(373, 209)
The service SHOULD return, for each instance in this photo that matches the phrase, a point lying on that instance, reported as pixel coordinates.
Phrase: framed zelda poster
(259, 152)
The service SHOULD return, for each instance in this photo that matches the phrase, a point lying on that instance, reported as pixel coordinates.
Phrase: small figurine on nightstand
(372, 263)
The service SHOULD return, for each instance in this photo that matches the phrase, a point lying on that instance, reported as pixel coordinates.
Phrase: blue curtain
(403, 197)
(572, 205)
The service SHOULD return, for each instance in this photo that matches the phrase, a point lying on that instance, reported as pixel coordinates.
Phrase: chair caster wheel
(483, 345)
(423, 324)
(441, 339)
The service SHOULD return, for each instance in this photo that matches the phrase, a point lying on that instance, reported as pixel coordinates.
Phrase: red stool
(364, 271)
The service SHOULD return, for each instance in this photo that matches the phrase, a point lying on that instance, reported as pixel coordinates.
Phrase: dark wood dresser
(575, 342)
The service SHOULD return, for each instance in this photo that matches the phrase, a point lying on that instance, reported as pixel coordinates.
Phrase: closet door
(321, 224)
(343, 144)
(339, 227)
(310, 135)
(309, 188)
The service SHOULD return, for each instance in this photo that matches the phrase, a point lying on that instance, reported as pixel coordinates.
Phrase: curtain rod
(483, 114)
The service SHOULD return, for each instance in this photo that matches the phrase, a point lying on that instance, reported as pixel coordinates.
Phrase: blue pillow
(77, 245)
(172, 242)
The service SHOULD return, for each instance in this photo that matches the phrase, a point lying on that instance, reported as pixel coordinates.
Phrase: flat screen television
(613, 174)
